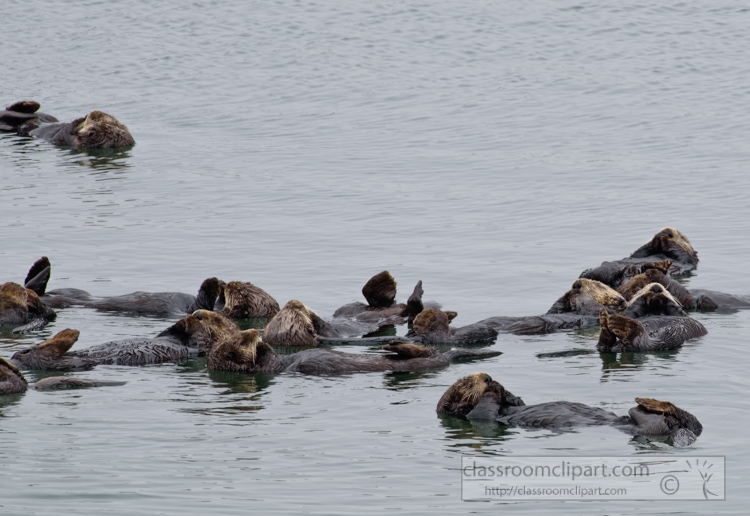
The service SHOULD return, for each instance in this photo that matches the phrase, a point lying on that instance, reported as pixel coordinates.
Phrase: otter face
(654, 299)
(245, 300)
(19, 305)
(654, 417)
(101, 131)
(241, 352)
(11, 379)
(294, 325)
(380, 290)
(201, 329)
(585, 291)
(476, 395)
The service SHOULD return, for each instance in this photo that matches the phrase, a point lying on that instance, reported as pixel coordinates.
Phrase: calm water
(493, 151)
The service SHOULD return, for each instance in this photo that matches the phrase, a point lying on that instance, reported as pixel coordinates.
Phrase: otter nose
(198, 314)
(668, 232)
(657, 289)
(487, 378)
(576, 284)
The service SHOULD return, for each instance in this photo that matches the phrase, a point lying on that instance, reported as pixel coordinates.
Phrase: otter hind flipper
(408, 350)
(25, 106)
(38, 276)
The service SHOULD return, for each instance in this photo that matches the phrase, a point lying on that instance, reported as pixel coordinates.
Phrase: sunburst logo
(706, 475)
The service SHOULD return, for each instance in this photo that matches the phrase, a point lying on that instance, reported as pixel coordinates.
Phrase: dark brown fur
(245, 300)
(380, 290)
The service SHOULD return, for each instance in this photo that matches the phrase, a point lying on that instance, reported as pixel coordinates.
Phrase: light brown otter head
(294, 325)
(20, 305)
(99, 130)
(671, 243)
(244, 300)
(653, 299)
(479, 388)
(241, 352)
(654, 417)
(588, 296)
(201, 329)
(380, 290)
(11, 379)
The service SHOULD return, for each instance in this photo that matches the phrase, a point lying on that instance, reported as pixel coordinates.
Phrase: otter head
(653, 299)
(476, 396)
(380, 290)
(587, 296)
(11, 379)
(19, 305)
(201, 329)
(50, 354)
(654, 417)
(294, 325)
(672, 244)
(244, 300)
(432, 325)
(242, 352)
(99, 130)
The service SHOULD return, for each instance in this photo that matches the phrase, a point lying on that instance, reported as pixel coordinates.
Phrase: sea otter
(141, 303)
(381, 308)
(297, 325)
(244, 352)
(666, 244)
(431, 326)
(51, 354)
(21, 306)
(620, 333)
(13, 382)
(97, 130)
(478, 397)
(191, 336)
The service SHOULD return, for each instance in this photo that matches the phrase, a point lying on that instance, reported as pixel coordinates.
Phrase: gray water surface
(493, 150)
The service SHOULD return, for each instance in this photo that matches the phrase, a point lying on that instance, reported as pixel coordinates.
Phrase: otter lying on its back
(666, 244)
(20, 305)
(479, 397)
(245, 353)
(97, 130)
(142, 303)
(13, 382)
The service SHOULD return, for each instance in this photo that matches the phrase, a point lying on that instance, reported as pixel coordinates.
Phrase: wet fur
(245, 300)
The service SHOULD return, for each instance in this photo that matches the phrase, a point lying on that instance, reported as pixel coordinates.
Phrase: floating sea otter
(97, 130)
(666, 244)
(479, 398)
(244, 352)
(191, 336)
(242, 300)
(579, 308)
(13, 382)
(142, 303)
(51, 354)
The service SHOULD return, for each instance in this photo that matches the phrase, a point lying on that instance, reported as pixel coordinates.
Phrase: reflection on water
(100, 160)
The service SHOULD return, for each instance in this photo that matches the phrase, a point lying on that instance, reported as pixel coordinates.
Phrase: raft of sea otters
(636, 301)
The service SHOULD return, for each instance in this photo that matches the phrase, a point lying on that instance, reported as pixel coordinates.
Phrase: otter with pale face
(97, 130)
(480, 398)
(667, 244)
(246, 353)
